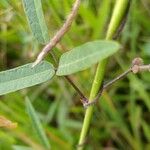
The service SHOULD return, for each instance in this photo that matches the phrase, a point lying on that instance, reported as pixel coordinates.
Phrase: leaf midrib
(24, 77)
(39, 20)
(78, 60)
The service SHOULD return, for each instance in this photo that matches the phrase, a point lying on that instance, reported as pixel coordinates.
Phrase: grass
(121, 118)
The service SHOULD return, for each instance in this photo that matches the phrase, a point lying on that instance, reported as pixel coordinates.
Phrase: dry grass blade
(6, 123)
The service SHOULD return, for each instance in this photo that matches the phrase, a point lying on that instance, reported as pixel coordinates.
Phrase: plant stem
(57, 37)
(117, 17)
(84, 100)
(137, 66)
(105, 86)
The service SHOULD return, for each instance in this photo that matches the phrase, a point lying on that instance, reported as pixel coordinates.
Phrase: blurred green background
(121, 120)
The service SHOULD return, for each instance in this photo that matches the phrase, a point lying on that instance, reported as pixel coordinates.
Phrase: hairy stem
(66, 26)
(117, 17)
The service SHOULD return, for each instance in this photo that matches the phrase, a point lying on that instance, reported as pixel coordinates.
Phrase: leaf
(37, 124)
(34, 13)
(19, 147)
(84, 56)
(51, 111)
(25, 76)
(146, 130)
(4, 122)
(146, 49)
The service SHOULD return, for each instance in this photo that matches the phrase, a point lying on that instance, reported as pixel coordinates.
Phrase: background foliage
(121, 119)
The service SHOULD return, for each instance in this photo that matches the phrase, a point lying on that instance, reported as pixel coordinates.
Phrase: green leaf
(34, 13)
(37, 124)
(146, 130)
(19, 147)
(84, 56)
(25, 76)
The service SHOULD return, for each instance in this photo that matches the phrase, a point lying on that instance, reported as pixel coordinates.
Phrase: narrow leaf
(84, 56)
(25, 76)
(37, 124)
(19, 147)
(34, 13)
(146, 130)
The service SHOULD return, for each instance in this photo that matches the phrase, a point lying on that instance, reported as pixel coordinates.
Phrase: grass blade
(37, 124)
(19, 147)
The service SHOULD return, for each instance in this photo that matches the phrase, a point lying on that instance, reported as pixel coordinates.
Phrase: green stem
(117, 17)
